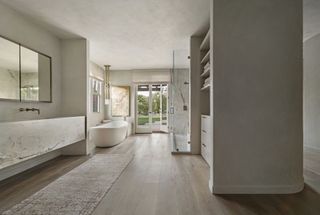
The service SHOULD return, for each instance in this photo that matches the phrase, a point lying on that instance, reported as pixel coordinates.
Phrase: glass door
(151, 108)
(143, 109)
(164, 126)
(156, 107)
(180, 101)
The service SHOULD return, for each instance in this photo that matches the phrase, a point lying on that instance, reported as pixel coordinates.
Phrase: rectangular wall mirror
(25, 75)
(9, 70)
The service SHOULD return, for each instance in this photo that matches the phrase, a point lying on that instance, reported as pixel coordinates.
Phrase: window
(120, 101)
(96, 90)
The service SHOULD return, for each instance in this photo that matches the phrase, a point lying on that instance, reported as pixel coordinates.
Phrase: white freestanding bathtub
(109, 134)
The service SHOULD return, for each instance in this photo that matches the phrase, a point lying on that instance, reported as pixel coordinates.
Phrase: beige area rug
(77, 192)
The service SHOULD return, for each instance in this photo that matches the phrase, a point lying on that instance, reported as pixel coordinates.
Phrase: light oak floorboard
(159, 183)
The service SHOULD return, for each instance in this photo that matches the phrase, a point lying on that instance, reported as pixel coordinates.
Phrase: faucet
(29, 109)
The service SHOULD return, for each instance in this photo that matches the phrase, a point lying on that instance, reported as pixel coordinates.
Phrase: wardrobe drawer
(205, 123)
(205, 137)
(204, 152)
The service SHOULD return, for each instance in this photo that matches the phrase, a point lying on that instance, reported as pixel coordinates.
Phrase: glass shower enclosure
(179, 102)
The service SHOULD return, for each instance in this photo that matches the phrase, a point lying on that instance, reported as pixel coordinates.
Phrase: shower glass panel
(179, 106)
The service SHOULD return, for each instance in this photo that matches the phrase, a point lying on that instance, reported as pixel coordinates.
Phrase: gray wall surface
(195, 95)
(258, 75)
(311, 92)
(22, 30)
(18, 28)
(75, 77)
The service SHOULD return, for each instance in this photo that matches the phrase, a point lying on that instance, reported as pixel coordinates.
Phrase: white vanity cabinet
(205, 137)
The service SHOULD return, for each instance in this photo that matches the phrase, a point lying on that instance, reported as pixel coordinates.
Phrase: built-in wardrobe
(246, 96)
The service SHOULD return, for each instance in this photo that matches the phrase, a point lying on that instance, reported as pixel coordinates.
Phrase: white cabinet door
(205, 137)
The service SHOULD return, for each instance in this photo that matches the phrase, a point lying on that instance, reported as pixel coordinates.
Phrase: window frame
(93, 93)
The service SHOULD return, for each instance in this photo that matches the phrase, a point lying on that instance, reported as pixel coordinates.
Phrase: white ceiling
(128, 34)
(134, 34)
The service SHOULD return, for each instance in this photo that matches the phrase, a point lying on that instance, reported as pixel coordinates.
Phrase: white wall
(258, 138)
(311, 91)
(20, 29)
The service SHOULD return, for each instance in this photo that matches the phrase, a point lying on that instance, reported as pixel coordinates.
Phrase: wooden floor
(156, 182)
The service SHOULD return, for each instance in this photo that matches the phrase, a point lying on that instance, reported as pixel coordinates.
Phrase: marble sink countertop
(23, 140)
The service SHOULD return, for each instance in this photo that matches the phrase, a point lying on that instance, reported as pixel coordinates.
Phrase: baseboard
(28, 164)
(312, 147)
(211, 186)
(277, 189)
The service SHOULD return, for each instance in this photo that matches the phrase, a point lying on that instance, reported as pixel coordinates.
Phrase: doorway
(151, 108)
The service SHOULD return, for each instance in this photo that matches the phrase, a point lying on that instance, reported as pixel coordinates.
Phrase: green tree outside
(143, 108)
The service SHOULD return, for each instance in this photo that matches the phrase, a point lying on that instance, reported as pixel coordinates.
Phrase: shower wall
(180, 101)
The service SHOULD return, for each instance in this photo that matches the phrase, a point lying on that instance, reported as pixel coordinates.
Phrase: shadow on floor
(307, 202)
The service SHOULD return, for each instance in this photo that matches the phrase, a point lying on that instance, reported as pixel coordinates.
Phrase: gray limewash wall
(258, 75)
(20, 29)
(70, 77)
(311, 92)
(74, 77)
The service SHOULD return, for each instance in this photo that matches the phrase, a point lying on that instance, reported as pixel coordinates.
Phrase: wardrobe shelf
(206, 73)
(206, 58)
(204, 88)
(205, 45)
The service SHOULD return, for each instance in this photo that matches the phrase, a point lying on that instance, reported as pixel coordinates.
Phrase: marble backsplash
(23, 140)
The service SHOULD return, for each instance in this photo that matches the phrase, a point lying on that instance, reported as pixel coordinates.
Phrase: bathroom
(56, 103)
(159, 107)
(53, 96)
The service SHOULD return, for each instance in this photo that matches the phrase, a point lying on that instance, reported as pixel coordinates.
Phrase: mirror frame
(28, 101)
